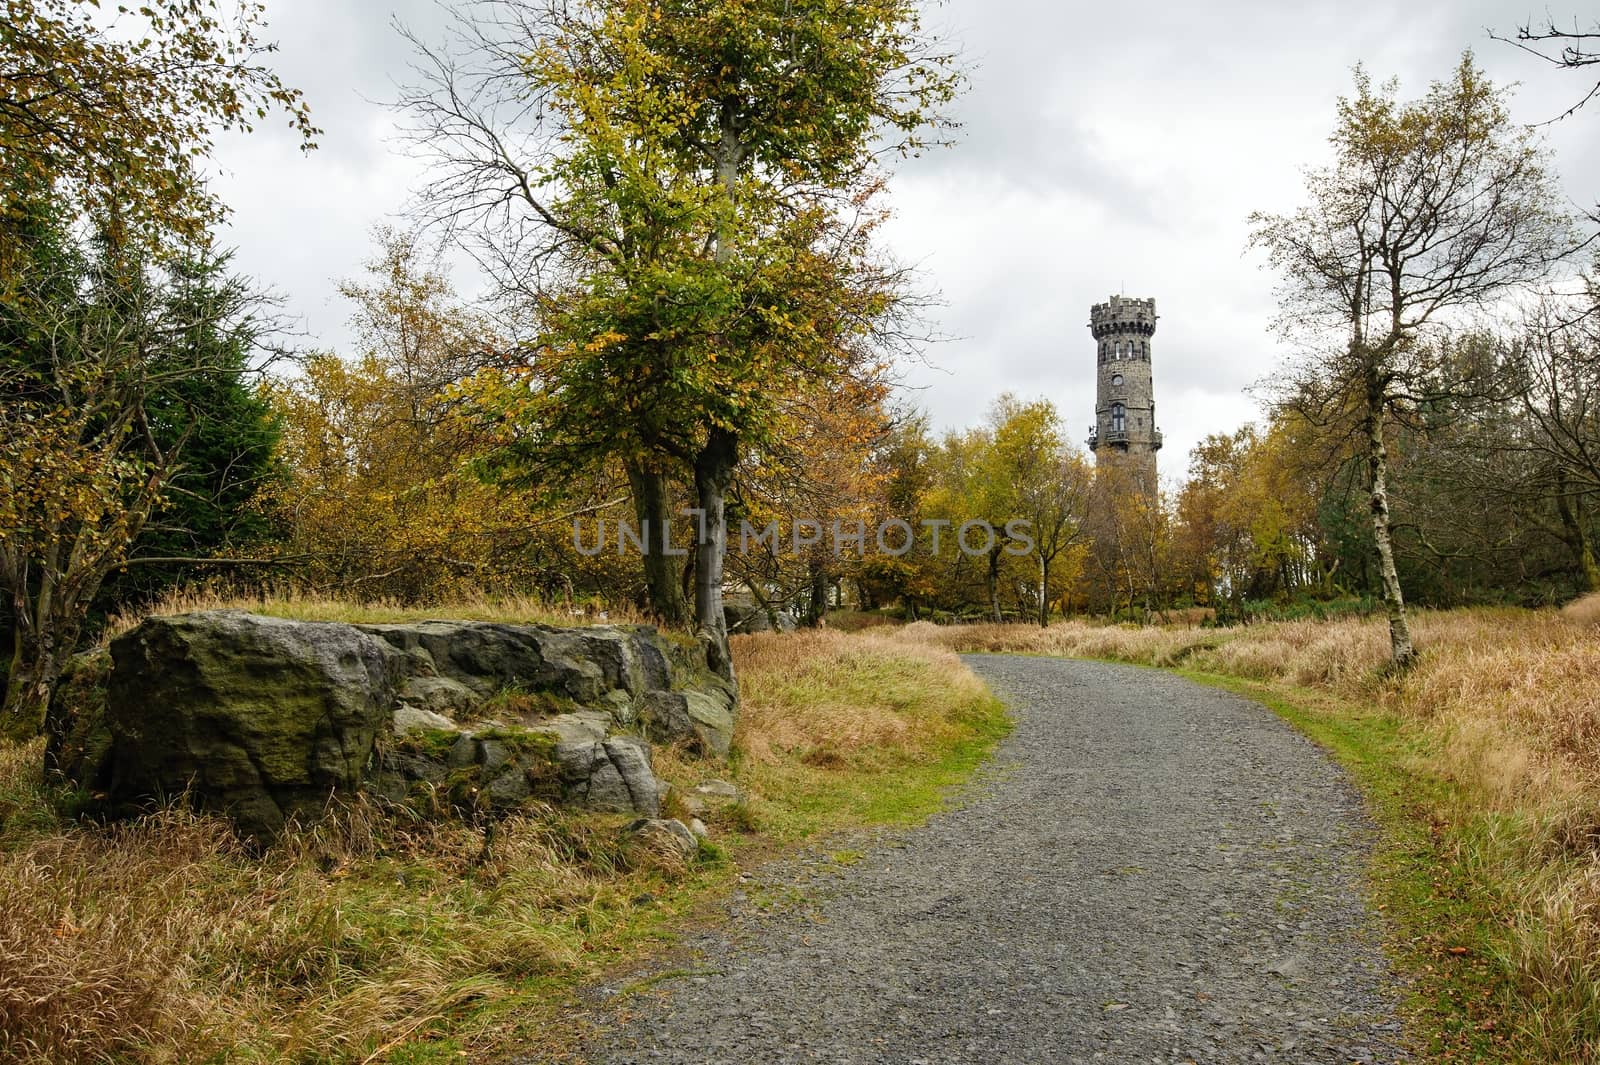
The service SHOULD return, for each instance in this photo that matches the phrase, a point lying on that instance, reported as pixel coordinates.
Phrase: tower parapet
(1125, 409)
(1123, 316)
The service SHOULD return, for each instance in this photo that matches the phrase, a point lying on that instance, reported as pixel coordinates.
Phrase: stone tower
(1125, 406)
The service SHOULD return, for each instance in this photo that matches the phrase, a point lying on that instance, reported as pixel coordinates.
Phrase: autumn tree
(1130, 532)
(1430, 208)
(1248, 515)
(904, 571)
(383, 500)
(682, 193)
(105, 125)
(1049, 485)
(818, 486)
(115, 115)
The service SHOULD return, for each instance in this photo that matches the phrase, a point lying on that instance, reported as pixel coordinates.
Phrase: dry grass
(830, 697)
(165, 940)
(1584, 611)
(1516, 693)
(306, 606)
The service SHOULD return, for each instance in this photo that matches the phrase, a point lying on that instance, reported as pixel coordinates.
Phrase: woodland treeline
(690, 322)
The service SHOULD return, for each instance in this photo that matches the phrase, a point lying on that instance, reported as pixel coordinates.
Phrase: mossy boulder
(572, 759)
(643, 678)
(260, 717)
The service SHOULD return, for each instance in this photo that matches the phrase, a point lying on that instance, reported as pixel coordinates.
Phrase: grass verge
(370, 940)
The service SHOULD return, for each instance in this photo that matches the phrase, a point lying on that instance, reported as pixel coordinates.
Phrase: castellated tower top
(1123, 314)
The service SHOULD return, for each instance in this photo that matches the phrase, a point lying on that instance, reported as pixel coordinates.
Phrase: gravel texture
(1151, 871)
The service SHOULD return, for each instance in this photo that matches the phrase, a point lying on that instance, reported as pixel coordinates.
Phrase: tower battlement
(1123, 314)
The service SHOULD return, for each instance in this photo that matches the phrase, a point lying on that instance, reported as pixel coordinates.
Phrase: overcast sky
(1107, 147)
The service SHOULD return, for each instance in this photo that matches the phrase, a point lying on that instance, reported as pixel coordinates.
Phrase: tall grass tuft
(300, 605)
(1583, 611)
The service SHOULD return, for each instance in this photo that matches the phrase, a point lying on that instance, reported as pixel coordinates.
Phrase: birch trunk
(1402, 651)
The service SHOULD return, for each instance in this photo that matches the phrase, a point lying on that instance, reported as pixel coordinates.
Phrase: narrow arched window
(1119, 417)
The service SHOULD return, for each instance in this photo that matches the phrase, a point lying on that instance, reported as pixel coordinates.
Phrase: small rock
(440, 695)
(698, 827)
(668, 838)
(718, 789)
(463, 752)
(408, 718)
(508, 788)
(493, 755)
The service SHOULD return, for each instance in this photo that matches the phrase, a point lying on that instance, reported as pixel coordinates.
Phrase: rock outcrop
(265, 718)
(258, 716)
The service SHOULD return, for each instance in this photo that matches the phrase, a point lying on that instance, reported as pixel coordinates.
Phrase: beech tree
(1430, 208)
(680, 191)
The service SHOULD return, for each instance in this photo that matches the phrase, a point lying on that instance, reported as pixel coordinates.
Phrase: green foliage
(1300, 608)
(114, 364)
(702, 214)
(218, 498)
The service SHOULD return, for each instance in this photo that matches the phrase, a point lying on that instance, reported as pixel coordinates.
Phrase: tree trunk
(1402, 651)
(652, 504)
(35, 667)
(994, 585)
(713, 472)
(1577, 535)
(1586, 560)
(818, 607)
(1044, 591)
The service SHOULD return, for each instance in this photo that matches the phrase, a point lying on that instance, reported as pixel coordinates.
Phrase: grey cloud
(1105, 147)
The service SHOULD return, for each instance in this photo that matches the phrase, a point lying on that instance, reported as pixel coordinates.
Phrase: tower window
(1119, 418)
(1116, 379)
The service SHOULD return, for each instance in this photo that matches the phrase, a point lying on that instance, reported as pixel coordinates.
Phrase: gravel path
(1153, 871)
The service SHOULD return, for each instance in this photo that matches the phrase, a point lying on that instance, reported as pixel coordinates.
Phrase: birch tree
(1430, 209)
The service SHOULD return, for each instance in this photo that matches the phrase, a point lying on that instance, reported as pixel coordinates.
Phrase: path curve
(1152, 871)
